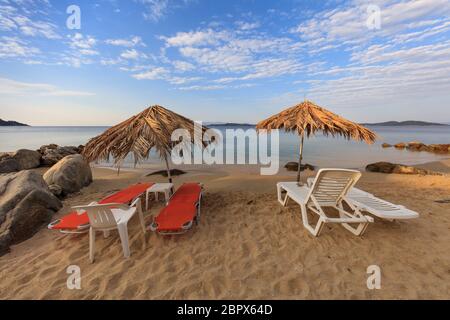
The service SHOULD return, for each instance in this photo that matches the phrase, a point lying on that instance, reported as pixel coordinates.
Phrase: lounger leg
(123, 233)
(91, 244)
(319, 226)
(280, 197)
(359, 230)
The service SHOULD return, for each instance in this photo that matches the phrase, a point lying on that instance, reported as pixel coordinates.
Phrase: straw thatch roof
(152, 128)
(308, 118)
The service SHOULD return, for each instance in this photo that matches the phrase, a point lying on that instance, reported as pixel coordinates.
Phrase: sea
(319, 150)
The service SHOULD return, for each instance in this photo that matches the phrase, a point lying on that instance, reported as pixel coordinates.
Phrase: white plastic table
(157, 188)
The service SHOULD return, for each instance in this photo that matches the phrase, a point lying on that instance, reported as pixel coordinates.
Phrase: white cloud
(13, 19)
(182, 66)
(129, 43)
(83, 44)
(346, 25)
(183, 80)
(153, 74)
(196, 38)
(12, 47)
(154, 9)
(132, 54)
(12, 87)
(247, 25)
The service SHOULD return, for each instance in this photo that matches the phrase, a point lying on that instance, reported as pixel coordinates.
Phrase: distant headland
(4, 123)
(404, 123)
(230, 124)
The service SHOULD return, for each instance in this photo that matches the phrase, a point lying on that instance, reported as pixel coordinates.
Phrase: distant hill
(404, 123)
(230, 124)
(4, 123)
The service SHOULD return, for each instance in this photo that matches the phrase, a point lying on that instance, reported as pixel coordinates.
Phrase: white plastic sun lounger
(329, 189)
(380, 208)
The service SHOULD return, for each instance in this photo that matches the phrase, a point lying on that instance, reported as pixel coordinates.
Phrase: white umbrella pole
(300, 161)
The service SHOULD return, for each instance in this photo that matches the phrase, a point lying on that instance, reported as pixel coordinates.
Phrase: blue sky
(214, 60)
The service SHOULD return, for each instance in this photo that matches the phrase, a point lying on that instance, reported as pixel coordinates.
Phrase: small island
(404, 123)
(4, 123)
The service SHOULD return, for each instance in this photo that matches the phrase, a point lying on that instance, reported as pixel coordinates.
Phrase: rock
(56, 190)
(25, 205)
(71, 173)
(419, 146)
(439, 148)
(53, 153)
(386, 145)
(293, 166)
(20, 160)
(27, 159)
(387, 167)
(8, 165)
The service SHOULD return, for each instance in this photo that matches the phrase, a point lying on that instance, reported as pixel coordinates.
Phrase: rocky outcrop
(419, 146)
(52, 153)
(293, 166)
(20, 160)
(387, 167)
(25, 206)
(70, 174)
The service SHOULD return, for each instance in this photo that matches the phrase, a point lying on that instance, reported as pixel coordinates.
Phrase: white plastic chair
(107, 217)
(329, 189)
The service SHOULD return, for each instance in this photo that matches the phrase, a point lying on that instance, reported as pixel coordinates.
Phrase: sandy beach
(246, 247)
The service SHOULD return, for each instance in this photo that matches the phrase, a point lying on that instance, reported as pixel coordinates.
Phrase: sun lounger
(181, 212)
(378, 207)
(113, 216)
(329, 189)
(79, 223)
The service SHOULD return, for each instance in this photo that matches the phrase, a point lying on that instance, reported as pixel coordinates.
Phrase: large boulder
(387, 167)
(20, 160)
(71, 174)
(293, 166)
(52, 153)
(25, 206)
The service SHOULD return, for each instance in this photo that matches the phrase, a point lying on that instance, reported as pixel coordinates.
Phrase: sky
(223, 61)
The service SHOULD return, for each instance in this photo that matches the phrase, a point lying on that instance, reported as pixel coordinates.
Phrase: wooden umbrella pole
(300, 160)
(168, 168)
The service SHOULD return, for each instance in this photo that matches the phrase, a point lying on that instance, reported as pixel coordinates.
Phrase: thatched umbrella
(152, 128)
(307, 118)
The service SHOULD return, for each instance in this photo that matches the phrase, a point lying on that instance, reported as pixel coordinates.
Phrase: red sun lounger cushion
(175, 216)
(187, 193)
(73, 221)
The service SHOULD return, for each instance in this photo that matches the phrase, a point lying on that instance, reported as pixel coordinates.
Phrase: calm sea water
(321, 151)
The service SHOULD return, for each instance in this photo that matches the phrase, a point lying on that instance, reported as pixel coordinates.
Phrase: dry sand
(246, 247)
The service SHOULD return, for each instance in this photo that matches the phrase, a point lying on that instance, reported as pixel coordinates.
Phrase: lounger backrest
(100, 215)
(331, 185)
